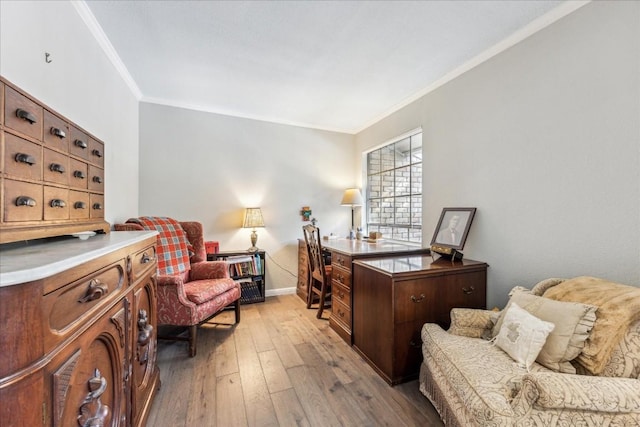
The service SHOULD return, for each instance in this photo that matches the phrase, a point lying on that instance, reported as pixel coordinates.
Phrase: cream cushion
(573, 322)
(522, 335)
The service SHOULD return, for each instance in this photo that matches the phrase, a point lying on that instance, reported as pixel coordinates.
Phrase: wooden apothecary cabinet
(79, 337)
(51, 171)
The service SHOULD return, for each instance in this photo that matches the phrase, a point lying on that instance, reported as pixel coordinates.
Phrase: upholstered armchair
(190, 289)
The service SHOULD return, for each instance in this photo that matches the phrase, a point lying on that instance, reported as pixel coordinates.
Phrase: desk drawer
(341, 260)
(341, 294)
(142, 261)
(341, 276)
(341, 313)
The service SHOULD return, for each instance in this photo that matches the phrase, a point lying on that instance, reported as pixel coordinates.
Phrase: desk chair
(319, 274)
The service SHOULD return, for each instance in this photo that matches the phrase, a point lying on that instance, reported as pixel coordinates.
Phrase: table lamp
(353, 198)
(253, 219)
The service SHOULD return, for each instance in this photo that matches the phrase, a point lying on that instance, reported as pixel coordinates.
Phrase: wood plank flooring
(279, 367)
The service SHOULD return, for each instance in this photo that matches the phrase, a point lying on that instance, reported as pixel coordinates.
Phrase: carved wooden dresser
(78, 332)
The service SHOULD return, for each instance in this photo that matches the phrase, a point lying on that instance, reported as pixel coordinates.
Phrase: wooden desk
(343, 253)
(394, 297)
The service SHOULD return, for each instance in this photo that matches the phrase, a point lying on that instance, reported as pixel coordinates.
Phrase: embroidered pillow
(522, 335)
(573, 322)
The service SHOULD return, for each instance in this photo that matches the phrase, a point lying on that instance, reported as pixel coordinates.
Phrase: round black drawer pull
(78, 174)
(25, 158)
(96, 152)
(25, 201)
(58, 132)
(97, 179)
(97, 206)
(25, 115)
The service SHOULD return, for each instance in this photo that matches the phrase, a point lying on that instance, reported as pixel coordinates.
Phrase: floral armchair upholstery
(190, 289)
(472, 382)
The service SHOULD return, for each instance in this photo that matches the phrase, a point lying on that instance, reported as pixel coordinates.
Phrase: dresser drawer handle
(417, 300)
(57, 203)
(341, 294)
(145, 258)
(25, 201)
(80, 143)
(55, 167)
(92, 411)
(97, 206)
(25, 115)
(80, 205)
(58, 132)
(78, 174)
(97, 179)
(96, 152)
(340, 313)
(468, 291)
(414, 344)
(96, 290)
(25, 158)
(340, 278)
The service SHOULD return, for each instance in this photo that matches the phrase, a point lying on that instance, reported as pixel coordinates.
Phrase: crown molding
(92, 23)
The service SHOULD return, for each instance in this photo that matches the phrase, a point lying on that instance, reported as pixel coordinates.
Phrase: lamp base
(254, 240)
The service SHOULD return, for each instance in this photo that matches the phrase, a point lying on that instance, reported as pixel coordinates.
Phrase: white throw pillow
(522, 335)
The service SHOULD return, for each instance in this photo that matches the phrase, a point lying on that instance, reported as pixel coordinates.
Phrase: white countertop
(25, 262)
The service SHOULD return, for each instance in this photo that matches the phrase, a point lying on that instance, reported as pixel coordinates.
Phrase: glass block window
(394, 189)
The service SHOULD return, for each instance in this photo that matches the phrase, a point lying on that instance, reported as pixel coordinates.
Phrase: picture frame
(453, 227)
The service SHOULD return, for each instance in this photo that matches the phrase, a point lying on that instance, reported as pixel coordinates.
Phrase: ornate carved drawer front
(44, 160)
(22, 114)
(142, 261)
(77, 300)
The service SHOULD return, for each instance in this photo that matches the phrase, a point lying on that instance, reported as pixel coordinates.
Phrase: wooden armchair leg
(193, 331)
(237, 309)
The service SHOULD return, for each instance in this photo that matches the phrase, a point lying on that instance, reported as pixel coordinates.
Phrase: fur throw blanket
(618, 308)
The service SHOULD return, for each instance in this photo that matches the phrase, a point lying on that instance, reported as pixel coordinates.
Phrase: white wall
(544, 139)
(80, 83)
(209, 167)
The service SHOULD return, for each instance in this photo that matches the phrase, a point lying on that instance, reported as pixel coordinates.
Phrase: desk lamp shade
(352, 197)
(253, 219)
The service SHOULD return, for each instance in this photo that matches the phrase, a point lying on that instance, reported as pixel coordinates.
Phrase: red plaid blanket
(173, 252)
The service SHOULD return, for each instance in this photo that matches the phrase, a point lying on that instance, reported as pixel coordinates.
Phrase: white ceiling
(336, 65)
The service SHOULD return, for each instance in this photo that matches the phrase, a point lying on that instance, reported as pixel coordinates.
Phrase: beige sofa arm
(473, 323)
(550, 390)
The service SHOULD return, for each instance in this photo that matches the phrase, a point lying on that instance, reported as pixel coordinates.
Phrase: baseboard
(280, 291)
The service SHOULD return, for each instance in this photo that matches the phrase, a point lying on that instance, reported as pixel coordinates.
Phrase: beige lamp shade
(253, 218)
(352, 197)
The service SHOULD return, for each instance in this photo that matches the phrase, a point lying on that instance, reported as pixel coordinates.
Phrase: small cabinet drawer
(143, 260)
(56, 132)
(22, 159)
(22, 114)
(79, 206)
(22, 201)
(56, 167)
(56, 203)
(341, 313)
(71, 303)
(79, 143)
(96, 152)
(96, 179)
(341, 293)
(96, 202)
(78, 174)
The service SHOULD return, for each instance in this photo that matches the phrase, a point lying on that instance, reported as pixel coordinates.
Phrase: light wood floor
(279, 367)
